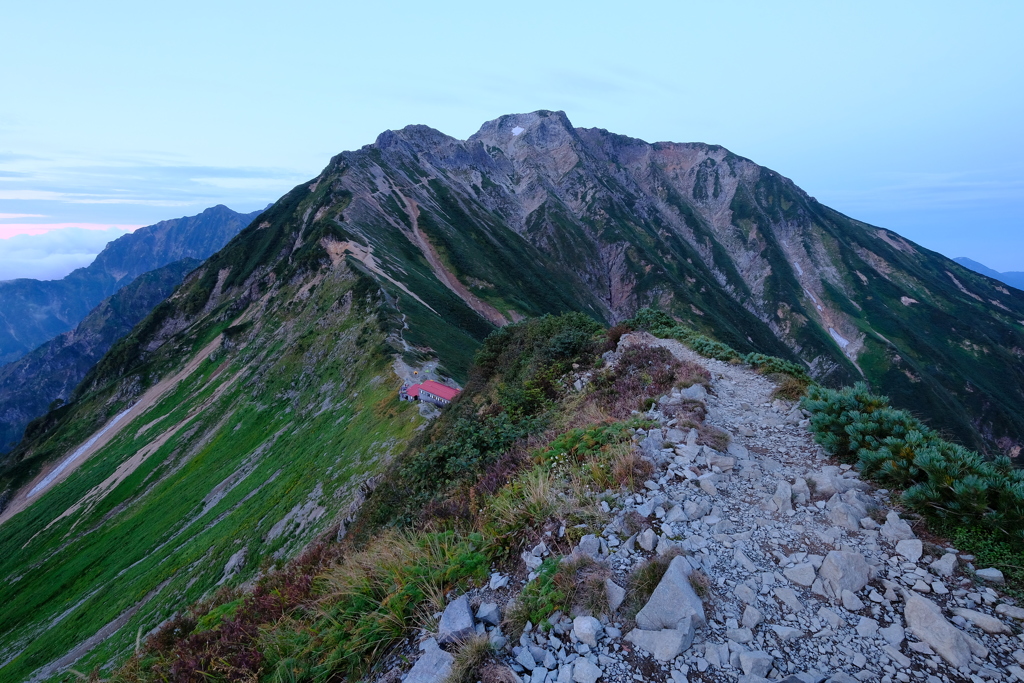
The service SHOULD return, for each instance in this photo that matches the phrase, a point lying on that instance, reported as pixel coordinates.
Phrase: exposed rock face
(727, 245)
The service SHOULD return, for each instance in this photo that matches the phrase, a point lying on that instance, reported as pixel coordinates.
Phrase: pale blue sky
(907, 115)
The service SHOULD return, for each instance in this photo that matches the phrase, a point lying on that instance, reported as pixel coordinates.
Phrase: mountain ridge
(247, 412)
(1012, 278)
(35, 311)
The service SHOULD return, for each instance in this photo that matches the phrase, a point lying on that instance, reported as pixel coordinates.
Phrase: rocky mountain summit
(777, 566)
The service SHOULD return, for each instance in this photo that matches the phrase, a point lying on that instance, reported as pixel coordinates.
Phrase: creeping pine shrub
(771, 365)
(944, 481)
(846, 420)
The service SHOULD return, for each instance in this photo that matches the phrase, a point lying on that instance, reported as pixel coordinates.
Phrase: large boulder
(587, 630)
(844, 570)
(924, 618)
(456, 622)
(673, 601)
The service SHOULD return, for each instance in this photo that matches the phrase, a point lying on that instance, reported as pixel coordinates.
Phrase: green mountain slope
(35, 311)
(29, 385)
(239, 418)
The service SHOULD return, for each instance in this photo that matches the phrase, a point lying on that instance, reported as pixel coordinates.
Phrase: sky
(115, 115)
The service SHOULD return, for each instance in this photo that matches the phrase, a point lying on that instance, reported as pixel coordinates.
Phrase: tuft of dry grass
(689, 373)
(701, 584)
(470, 658)
(713, 437)
(789, 388)
(630, 469)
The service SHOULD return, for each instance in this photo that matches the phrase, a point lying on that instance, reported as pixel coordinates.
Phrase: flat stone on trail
(673, 601)
(985, 622)
(1010, 611)
(844, 570)
(851, 602)
(925, 620)
(489, 613)
(893, 635)
(583, 671)
(787, 632)
(867, 627)
(991, 574)
(666, 644)
(944, 566)
(587, 630)
(911, 549)
(756, 663)
(751, 617)
(457, 621)
(783, 497)
(802, 574)
(433, 666)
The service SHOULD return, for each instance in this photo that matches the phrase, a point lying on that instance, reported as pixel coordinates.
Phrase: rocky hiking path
(805, 573)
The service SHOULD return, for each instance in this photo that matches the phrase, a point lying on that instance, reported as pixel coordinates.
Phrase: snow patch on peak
(517, 130)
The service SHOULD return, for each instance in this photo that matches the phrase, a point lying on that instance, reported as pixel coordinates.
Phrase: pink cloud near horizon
(8, 230)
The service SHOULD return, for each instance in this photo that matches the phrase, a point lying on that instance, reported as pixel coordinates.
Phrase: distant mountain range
(1012, 278)
(49, 373)
(35, 311)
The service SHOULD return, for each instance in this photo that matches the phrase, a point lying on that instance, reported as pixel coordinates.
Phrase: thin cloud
(53, 255)
(9, 230)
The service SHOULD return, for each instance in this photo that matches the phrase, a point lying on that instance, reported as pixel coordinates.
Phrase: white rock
(489, 613)
(615, 594)
(924, 618)
(756, 663)
(583, 671)
(985, 622)
(851, 602)
(456, 622)
(672, 601)
(647, 539)
(992, 575)
(844, 570)
(787, 632)
(911, 549)
(944, 566)
(896, 529)
(751, 617)
(1010, 611)
(893, 635)
(433, 666)
(783, 497)
(802, 574)
(666, 644)
(587, 630)
(867, 627)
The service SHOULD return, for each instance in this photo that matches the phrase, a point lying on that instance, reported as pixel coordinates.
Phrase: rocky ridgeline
(804, 573)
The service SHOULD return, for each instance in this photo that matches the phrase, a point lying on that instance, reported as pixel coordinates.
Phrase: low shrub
(943, 481)
(642, 374)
